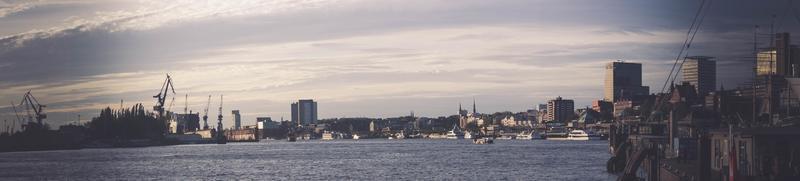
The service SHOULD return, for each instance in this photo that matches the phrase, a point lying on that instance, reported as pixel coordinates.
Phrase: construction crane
(205, 114)
(33, 108)
(162, 96)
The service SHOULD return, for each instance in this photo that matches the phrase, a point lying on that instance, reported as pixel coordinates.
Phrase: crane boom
(162, 96)
(205, 114)
(219, 115)
(32, 104)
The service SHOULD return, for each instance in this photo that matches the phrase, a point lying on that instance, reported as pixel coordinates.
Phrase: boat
(455, 133)
(482, 141)
(468, 135)
(400, 135)
(327, 135)
(526, 135)
(580, 135)
(557, 133)
(355, 136)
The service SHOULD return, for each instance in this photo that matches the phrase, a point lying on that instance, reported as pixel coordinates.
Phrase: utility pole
(755, 72)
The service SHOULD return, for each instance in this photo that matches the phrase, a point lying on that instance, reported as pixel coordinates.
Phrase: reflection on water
(368, 159)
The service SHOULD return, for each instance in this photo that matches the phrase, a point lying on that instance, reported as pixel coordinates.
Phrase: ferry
(327, 135)
(355, 136)
(580, 135)
(455, 133)
(557, 133)
(528, 135)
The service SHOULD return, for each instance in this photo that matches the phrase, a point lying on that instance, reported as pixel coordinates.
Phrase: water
(368, 159)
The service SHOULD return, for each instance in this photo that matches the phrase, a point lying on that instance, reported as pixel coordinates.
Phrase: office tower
(780, 59)
(304, 112)
(237, 118)
(700, 71)
(560, 110)
(624, 81)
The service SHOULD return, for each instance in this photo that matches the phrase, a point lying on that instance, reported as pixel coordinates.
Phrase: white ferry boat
(455, 133)
(528, 135)
(557, 133)
(580, 135)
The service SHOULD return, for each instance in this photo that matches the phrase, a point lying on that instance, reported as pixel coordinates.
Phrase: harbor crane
(220, 133)
(219, 117)
(34, 109)
(205, 114)
(14, 123)
(162, 96)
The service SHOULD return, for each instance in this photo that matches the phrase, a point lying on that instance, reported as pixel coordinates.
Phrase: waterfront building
(237, 119)
(700, 71)
(560, 110)
(304, 112)
(623, 80)
(604, 108)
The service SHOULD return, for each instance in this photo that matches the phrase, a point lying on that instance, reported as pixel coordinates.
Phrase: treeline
(126, 124)
(35, 137)
(113, 128)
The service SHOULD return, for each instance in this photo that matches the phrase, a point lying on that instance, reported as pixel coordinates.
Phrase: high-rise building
(560, 110)
(542, 107)
(781, 58)
(624, 81)
(237, 119)
(304, 112)
(700, 71)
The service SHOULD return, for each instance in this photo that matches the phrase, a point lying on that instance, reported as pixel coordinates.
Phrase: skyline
(356, 58)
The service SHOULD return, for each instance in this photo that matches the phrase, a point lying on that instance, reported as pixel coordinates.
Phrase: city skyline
(357, 58)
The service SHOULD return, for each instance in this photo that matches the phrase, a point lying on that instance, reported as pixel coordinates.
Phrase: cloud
(359, 58)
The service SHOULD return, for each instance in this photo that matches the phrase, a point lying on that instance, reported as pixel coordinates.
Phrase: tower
(474, 109)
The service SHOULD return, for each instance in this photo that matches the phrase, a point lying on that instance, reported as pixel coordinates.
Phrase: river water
(366, 159)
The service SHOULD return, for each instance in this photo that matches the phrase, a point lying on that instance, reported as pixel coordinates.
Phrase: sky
(356, 58)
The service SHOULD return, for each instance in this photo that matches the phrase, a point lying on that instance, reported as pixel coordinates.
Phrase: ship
(455, 133)
(580, 135)
(525, 135)
(557, 133)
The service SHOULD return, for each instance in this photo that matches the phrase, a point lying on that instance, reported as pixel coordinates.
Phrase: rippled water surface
(369, 159)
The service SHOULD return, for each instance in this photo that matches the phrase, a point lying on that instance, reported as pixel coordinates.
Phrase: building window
(742, 158)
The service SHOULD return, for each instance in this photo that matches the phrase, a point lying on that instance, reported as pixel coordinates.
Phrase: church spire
(474, 110)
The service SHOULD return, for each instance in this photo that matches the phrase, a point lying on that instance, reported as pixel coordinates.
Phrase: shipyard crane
(14, 123)
(219, 117)
(205, 114)
(162, 96)
(34, 109)
(220, 133)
